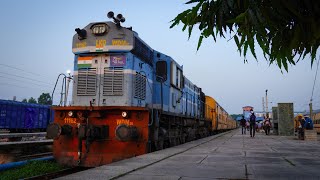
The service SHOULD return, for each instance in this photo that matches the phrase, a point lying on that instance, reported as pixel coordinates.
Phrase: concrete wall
(285, 119)
(275, 120)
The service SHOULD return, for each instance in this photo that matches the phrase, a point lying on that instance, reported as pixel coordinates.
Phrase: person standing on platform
(267, 125)
(308, 123)
(252, 124)
(299, 122)
(243, 125)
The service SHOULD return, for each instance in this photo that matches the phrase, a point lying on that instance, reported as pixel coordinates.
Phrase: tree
(283, 29)
(32, 100)
(45, 99)
(24, 100)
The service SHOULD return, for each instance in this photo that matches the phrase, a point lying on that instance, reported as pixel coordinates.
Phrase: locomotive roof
(114, 38)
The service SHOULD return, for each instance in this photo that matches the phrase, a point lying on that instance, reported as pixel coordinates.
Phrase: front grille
(113, 81)
(87, 82)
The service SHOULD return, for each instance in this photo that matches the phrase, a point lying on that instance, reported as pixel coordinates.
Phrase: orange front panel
(101, 151)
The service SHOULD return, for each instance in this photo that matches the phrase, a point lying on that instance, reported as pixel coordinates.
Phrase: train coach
(220, 119)
(24, 117)
(128, 99)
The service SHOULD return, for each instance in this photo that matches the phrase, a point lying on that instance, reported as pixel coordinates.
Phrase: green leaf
(251, 45)
(189, 31)
(245, 48)
(236, 40)
(199, 42)
(313, 54)
(285, 64)
(193, 1)
(279, 62)
(262, 45)
(238, 43)
(184, 27)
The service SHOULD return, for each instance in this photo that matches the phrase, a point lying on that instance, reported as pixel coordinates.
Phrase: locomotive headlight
(99, 29)
(124, 114)
(70, 113)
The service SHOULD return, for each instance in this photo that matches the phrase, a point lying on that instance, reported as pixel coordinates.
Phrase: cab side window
(161, 71)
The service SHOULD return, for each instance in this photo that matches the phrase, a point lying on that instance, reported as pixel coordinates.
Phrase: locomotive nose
(127, 133)
(53, 131)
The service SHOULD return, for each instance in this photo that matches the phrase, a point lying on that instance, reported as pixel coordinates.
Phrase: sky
(36, 39)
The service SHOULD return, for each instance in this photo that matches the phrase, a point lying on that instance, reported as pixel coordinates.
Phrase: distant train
(128, 99)
(24, 117)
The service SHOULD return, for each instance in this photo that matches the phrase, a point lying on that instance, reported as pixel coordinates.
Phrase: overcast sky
(36, 38)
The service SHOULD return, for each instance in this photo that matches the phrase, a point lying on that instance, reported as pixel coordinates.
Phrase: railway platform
(229, 155)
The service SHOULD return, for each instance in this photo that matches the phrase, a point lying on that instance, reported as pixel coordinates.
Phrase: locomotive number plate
(100, 43)
(119, 42)
(70, 120)
(81, 45)
(124, 121)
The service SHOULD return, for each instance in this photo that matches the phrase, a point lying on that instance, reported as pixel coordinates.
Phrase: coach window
(173, 74)
(161, 70)
(179, 75)
(182, 81)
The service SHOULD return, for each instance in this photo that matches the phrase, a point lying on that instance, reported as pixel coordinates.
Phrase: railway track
(57, 174)
(33, 156)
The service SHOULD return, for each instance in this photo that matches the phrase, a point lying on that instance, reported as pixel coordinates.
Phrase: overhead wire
(4, 83)
(25, 81)
(12, 67)
(45, 85)
(26, 78)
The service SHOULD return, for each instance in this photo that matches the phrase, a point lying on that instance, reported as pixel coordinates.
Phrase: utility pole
(263, 109)
(267, 114)
(310, 106)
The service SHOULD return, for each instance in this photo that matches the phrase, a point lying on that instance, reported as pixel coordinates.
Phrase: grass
(33, 168)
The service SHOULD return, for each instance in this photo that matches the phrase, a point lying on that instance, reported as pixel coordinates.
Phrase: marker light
(124, 114)
(70, 113)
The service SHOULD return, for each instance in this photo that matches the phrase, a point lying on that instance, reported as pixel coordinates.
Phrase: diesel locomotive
(128, 99)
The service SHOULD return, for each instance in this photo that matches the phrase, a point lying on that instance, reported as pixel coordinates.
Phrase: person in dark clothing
(252, 124)
(267, 126)
(308, 124)
(243, 125)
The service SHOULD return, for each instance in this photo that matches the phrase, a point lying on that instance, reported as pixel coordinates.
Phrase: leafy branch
(284, 29)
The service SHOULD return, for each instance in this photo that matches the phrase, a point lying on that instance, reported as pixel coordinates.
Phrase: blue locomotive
(128, 99)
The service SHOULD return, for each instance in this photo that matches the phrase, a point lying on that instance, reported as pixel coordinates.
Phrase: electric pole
(263, 109)
(310, 106)
(267, 103)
